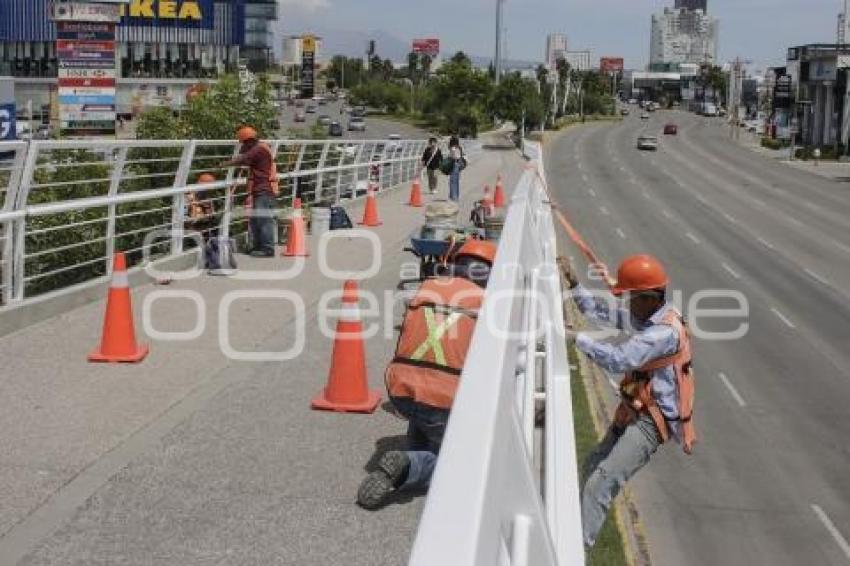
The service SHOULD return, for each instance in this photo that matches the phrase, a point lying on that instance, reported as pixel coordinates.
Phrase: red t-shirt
(259, 160)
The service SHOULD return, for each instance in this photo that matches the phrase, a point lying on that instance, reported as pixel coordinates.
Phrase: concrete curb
(625, 509)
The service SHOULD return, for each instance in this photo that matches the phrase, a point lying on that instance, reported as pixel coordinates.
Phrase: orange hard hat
(640, 273)
(206, 178)
(482, 249)
(246, 133)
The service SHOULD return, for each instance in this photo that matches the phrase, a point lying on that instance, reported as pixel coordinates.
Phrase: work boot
(390, 475)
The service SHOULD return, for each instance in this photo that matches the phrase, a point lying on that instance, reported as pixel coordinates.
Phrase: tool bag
(340, 219)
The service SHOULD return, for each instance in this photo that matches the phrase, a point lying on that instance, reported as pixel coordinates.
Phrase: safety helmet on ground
(206, 178)
(640, 273)
(246, 133)
(481, 249)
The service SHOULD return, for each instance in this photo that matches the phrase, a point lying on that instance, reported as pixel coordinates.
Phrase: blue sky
(760, 30)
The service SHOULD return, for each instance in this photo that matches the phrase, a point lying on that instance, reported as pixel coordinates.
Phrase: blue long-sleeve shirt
(647, 342)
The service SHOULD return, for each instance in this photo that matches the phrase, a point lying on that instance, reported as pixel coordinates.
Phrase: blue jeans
(615, 459)
(425, 429)
(262, 223)
(454, 184)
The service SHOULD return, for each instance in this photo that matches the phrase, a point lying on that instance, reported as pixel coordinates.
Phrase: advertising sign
(782, 92)
(822, 70)
(85, 31)
(65, 73)
(173, 13)
(86, 12)
(86, 58)
(611, 64)
(428, 46)
(308, 66)
(8, 129)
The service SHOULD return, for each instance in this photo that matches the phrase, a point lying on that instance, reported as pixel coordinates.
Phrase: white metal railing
(66, 206)
(503, 493)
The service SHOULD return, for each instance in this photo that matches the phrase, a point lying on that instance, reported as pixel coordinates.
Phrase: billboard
(173, 13)
(86, 92)
(308, 66)
(7, 121)
(429, 46)
(611, 64)
(86, 12)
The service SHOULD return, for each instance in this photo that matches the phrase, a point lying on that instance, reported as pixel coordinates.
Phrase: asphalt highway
(769, 482)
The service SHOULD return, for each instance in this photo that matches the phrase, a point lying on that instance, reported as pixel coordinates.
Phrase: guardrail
(68, 205)
(505, 490)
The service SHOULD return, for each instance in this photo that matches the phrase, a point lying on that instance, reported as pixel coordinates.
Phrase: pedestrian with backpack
(432, 158)
(657, 390)
(452, 166)
(263, 188)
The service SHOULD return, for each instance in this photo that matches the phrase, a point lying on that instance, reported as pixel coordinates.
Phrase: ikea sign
(176, 13)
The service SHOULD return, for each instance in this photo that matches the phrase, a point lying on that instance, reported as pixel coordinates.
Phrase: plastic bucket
(320, 221)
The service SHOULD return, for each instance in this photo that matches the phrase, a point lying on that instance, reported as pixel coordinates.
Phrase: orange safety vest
(636, 388)
(273, 180)
(435, 337)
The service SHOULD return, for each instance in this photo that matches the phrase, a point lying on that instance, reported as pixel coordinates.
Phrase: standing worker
(262, 188)
(657, 392)
(432, 157)
(423, 377)
(457, 164)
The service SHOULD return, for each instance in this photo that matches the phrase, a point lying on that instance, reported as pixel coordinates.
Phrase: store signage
(86, 31)
(86, 12)
(308, 66)
(7, 122)
(65, 73)
(191, 13)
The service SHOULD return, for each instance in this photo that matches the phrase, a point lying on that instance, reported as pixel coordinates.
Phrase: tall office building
(556, 48)
(693, 4)
(682, 36)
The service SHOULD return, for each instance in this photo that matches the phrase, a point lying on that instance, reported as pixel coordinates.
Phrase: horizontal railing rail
(505, 490)
(67, 206)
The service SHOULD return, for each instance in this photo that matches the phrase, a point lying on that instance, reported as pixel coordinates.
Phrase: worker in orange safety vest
(657, 390)
(423, 377)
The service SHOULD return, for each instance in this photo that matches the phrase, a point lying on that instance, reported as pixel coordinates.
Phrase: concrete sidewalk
(192, 458)
(835, 170)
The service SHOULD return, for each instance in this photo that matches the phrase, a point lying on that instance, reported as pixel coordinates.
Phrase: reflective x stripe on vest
(435, 336)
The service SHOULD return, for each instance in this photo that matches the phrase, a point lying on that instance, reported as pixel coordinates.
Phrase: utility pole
(497, 64)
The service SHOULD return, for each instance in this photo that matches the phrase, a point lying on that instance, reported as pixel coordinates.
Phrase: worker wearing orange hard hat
(263, 187)
(657, 390)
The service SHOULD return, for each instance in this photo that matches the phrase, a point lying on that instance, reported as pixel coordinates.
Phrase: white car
(394, 142)
(649, 143)
(644, 116)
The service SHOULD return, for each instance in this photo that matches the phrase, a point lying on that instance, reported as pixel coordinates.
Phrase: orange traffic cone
(347, 389)
(370, 214)
(296, 240)
(499, 195)
(415, 193)
(118, 343)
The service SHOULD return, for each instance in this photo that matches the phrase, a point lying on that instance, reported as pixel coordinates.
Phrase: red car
(671, 130)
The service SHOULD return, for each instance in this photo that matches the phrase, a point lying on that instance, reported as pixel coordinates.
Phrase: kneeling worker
(423, 377)
(657, 391)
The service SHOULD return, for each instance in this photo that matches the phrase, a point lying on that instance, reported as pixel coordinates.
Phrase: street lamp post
(497, 64)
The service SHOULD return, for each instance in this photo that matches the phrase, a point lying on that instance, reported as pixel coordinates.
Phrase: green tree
(518, 99)
(457, 97)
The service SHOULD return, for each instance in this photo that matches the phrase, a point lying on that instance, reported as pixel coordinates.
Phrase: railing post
(320, 177)
(178, 205)
(357, 161)
(9, 229)
(19, 246)
(229, 193)
(111, 221)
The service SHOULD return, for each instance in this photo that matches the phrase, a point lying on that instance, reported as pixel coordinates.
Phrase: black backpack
(340, 219)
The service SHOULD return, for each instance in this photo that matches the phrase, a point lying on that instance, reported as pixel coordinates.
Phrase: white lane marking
(730, 218)
(794, 221)
(592, 192)
(765, 243)
(830, 526)
(732, 390)
(844, 247)
(701, 199)
(731, 271)
(621, 233)
(666, 214)
(783, 318)
(604, 210)
(816, 276)
(693, 238)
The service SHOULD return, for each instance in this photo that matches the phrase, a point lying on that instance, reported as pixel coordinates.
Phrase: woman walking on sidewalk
(458, 164)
